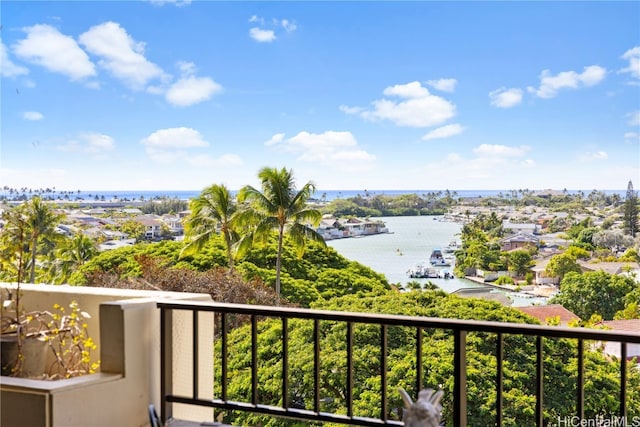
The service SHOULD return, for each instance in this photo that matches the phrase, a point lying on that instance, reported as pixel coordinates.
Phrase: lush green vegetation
(519, 364)
(270, 226)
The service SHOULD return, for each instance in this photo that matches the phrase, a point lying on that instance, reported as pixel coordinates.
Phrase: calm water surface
(410, 242)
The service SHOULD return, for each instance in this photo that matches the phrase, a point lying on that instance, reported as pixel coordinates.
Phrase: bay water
(409, 242)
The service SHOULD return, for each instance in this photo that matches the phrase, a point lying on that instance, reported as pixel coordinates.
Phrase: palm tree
(41, 222)
(213, 208)
(74, 253)
(279, 207)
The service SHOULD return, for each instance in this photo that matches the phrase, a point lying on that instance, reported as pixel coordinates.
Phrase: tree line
(259, 247)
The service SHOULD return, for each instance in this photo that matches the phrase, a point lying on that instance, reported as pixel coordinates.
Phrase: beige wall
(126, 326)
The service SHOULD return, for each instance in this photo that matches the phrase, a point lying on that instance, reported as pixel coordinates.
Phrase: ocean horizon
(327, 195)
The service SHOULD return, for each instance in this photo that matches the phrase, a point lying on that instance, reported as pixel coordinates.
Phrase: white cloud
(32, 116)
(89, 142)
(288, 26)
(444, 132)
(47, 47)
(501, 151)
(350, 110)
(192, 90)
(445, 85)
(7, 67)
(481, 168)
(634, 118)
(189, 89)
(550, 84)
(275, 139)
(633, 56)
(169, 145)
(122, 56)
(593, 156)
(181, 137)
(266, 32)
(506, 98)
(262, 36)
(632, 136)
(418, 109)
(409, 90)
(330, 148)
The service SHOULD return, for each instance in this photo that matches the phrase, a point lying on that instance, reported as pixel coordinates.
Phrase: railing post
(166, 363)
(285, 362)
(539, 381)
(349, 369)
(383, 371)
(254, 360)
(623, 380)
(460, 378)
(499, 378)
(580, 385)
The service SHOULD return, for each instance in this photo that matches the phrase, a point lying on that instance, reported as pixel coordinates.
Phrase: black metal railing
(457, 328)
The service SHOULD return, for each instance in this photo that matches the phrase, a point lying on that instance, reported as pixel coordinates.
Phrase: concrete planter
(34, 353)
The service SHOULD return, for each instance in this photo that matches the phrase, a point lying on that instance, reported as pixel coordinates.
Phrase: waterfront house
(519, 240)
(362, 227)
(539, 269)
(329, 228)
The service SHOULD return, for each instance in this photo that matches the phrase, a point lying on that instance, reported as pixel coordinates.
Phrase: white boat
(438, 260)
(422, 272)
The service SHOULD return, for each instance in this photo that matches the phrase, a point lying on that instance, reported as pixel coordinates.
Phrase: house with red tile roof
(552, 311)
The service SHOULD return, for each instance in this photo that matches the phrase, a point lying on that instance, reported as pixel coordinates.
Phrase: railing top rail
(403, 320)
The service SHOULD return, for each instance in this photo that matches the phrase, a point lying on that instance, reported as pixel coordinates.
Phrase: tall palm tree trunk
(34, 245)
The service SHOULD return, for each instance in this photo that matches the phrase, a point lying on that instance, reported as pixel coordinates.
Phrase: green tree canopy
(520, 261)
(519, 364)
(595, 292)
(561, 264)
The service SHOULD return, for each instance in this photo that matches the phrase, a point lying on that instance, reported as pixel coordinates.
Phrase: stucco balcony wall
(125, 325)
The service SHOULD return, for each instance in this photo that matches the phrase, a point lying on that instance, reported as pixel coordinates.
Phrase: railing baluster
(349, 369)
(580, 382)
(460, 377)
(459, 328)
(254, 359)
(225, 354)
(316, 365)
(623, 380)
(195, 351)
(419, 381)
(285, 362)
(539, 382)
(499, 377)
(383, 371)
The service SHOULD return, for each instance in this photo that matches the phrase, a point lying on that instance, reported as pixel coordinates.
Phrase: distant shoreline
(142, 196)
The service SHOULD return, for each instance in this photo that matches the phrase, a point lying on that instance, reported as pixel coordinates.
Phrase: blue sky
(178, 95)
